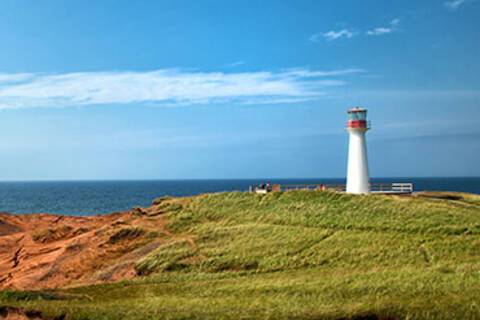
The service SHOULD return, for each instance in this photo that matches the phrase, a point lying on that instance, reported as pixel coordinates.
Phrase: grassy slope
(297, 255)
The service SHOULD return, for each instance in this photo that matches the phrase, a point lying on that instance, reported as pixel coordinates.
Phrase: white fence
(392, 188)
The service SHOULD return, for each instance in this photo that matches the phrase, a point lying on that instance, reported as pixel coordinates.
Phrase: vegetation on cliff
(299, 254)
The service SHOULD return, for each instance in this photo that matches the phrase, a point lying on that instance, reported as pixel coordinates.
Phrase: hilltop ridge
(297, 254)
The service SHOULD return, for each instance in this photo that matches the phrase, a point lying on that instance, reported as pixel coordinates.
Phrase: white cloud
(379, 31)
(15, 77)
(309, 73)
(455, 4)
(164, 87)
(392, 27)
(348, 33)
(333, 35)
(395, 22)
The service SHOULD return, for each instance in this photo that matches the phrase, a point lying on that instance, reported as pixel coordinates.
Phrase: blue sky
(236, 89)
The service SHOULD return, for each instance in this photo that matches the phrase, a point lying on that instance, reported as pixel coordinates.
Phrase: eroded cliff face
(41, 251)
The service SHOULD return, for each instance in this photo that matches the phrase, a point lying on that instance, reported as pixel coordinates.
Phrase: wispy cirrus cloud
(455, 4)
(350, 33)
(306, 73)
(167, 87)
(392, 27)
(333, 35)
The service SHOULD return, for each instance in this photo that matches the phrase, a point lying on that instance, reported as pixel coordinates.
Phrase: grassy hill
(295, 255)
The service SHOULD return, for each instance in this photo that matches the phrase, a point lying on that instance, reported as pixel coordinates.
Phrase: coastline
(334, 255)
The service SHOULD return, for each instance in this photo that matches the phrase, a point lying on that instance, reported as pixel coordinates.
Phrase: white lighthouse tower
(358, 180)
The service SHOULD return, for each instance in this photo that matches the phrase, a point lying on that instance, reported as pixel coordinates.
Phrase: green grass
(297, 255)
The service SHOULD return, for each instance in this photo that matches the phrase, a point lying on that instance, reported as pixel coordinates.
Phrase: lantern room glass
(357, 115)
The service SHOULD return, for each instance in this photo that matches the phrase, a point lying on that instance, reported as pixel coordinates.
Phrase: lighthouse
(358, 180)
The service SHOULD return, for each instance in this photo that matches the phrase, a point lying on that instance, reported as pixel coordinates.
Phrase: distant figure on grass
(261, 188)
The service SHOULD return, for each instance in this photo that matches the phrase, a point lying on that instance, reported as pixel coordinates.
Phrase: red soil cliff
(50, 251)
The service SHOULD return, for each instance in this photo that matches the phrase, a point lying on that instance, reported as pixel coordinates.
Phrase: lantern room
(357, 119)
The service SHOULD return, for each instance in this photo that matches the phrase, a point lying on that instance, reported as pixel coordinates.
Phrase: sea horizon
(92, 197)
(239, 179)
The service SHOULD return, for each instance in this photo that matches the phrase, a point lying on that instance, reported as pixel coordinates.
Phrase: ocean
(100, 197)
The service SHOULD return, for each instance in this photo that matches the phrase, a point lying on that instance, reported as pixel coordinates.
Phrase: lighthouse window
(361, 115)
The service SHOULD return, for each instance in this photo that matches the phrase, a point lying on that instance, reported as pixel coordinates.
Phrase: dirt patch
(7, 228)
(52, 234)
(41, 251)
(441, 195)
(12, 313)
(126, 234)
(369, 316)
